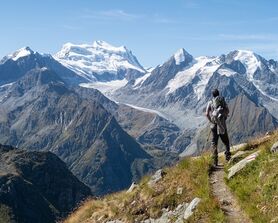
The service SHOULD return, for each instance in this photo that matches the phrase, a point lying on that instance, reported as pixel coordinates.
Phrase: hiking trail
(228, 203)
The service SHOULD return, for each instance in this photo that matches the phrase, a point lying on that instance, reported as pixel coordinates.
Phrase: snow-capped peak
(98, 58)
(100, 44)
(23, 52)
(181, 55)
(244, 55)
(250, 60)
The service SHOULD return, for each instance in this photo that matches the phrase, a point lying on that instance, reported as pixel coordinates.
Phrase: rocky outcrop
(180, 213)
(159, 174)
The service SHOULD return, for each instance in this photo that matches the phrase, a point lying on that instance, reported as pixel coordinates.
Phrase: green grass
(256, 186)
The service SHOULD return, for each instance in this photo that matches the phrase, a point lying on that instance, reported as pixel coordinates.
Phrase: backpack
(218, 109)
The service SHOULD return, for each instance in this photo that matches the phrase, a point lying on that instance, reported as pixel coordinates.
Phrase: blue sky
(152, 29)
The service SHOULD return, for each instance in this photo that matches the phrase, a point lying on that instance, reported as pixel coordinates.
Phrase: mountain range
(41, 112)
(179, 89)
(112, 121)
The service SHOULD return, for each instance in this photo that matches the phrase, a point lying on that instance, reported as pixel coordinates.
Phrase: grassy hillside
(256, 186)
(145, 202)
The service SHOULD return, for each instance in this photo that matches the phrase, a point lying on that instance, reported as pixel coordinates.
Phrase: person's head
(215, 93)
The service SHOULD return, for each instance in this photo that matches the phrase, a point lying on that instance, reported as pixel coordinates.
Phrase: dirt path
(228, 202)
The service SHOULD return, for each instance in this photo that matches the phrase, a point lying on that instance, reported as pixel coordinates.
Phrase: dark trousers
(224, 138)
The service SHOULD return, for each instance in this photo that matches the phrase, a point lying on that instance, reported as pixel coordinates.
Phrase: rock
(191, 207)
(236, 156)
(241, 164)
(169, 215)
(159, 174)
(132, 187)
(225, 202)
(239, 146)
(179, 190)
(214, 181)
(274, 147)
(268, 133)
(101, 218)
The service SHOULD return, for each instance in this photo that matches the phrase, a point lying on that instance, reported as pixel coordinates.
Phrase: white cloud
(115, 14)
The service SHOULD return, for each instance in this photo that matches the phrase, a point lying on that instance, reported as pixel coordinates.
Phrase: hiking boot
(228, 156)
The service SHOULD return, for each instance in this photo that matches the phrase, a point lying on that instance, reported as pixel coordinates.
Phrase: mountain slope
(36, 187)
(39, 112)
(164, 200)
(147, 127)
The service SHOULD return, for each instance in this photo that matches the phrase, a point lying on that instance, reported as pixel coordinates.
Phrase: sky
(152, 29)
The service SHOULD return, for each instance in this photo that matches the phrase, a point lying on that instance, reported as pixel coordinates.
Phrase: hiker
(217, 112)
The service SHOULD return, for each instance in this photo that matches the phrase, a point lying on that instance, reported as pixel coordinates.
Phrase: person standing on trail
(217, 112)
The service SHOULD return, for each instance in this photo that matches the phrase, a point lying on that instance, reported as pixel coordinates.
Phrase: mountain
(16, 65)
(153, 112)
(189, 83)
(148, 127)
(100, 61)
(36, 187)
(182, 89)
(40, 112)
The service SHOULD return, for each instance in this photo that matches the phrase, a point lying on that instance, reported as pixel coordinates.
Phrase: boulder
(235, 157)
(168, 215)
(274, 147)
(182, 212)
(132, 187)
(191, 207)
(241, 164)
(239, 146)
(179, 190)
(159, 174)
